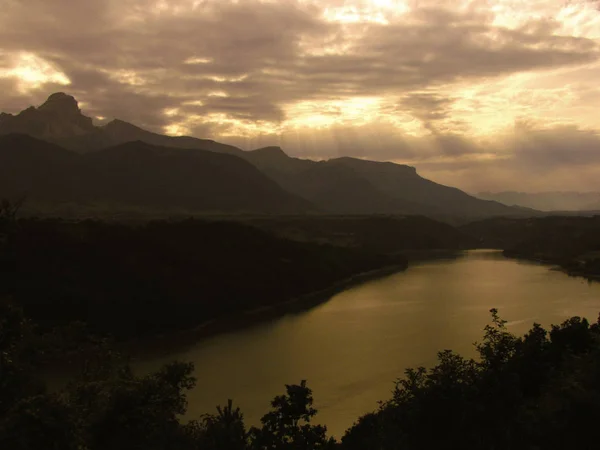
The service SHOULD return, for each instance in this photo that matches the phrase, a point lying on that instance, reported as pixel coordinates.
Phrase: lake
(351, 348)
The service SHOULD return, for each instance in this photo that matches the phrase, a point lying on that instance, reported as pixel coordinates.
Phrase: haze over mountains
(54, 153)
(139, 175)
(547, 201)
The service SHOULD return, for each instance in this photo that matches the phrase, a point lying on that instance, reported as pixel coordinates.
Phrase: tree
(9, 209)
(288, 426)
(222, 431)
(541, 390)
(17, 357)
(106, 407)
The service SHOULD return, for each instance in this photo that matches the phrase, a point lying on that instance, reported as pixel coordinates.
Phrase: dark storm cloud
(427, 106)
(97, 43)
(532, 158)
(563, 146)
(250, 60)
(91, 40)
(252, 107)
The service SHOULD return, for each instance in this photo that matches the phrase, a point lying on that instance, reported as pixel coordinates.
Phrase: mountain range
(547, 201)
(54, 153)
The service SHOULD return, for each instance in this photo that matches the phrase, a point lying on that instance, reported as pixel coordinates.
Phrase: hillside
(547, 201)
(59, 120)
(355, 186)
(137, 174)
(379, 234)
(130, 281)
(573, 243)
(404, 183)
(340, 186)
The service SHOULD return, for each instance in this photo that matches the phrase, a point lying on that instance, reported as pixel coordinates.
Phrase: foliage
(378, 234)
(541, 390)
(108, 407)
(570, 242)
(9, 209)
(8, 229)
(130, 281)
(17, 357)
(224, 430)
(287, 426)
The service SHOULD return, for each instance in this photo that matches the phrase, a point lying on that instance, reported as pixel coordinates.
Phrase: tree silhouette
(222, 431)
(288, 426)
(541, 390)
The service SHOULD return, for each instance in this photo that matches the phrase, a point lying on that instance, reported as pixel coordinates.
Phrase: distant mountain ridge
(60, 121)
(342, 185)
(350, 185)
(58, 118)
(547, 201)
(137, 174)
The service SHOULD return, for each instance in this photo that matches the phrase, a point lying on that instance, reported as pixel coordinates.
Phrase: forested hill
(195, 182)
(539, 391)
(137, 176)
(381, 234)
(132, 281)
(570, 242)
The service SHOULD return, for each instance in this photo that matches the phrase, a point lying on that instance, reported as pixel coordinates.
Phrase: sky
(478, 94)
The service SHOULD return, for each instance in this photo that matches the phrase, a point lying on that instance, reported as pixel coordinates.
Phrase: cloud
(423, 82)
(563, 146)
(529, 157)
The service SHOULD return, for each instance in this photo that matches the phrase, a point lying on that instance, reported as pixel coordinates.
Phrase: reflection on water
(352, 348)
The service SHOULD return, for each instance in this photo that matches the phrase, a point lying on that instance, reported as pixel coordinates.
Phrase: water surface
(353, 347)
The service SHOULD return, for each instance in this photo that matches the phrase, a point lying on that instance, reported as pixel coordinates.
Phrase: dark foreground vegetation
(65, 286)
(131, 281)
(573, 243)
(389, 234)
(538, 391)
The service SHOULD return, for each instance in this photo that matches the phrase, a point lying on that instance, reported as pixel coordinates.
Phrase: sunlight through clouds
(356, 111)
(433, 81)
(571, 17)
(486, 107)
(366, 11)
(31, 72)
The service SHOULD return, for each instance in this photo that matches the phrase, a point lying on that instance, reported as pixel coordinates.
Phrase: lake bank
(68, 364)
(174, 341)
(351, 348)
(167, 342)
(557, 264)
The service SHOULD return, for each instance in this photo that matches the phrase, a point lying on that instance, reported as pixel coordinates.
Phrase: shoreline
(166, 344)
(172, 341)
(177, 340)
(555, 265)
(590, 277)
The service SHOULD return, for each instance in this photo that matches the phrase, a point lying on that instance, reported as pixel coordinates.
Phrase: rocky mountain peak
(61, 103)
(271, 151)
(58, 118)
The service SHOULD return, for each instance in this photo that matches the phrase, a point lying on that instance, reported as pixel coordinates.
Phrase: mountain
(120, 132)
(404, 183)
(343, 185)
(594, 206)
(137, 174)
(547, 201)
(350, 185)
(58, 118)
(330, 186)
(29, 166)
